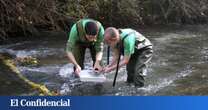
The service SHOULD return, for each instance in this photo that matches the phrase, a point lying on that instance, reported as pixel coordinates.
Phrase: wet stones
(27, 61)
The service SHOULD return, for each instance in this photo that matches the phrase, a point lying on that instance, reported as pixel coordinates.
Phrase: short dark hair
(91, 28)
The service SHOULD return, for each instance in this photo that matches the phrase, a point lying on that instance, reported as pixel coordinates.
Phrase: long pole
(114, 8)
(114, 81)
(108, 54)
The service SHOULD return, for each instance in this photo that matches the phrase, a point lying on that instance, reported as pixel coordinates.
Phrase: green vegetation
(27, 17)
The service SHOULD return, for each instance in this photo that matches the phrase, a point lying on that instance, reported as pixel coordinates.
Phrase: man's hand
(97, 67)
(72, 60)
(107, 69)
(77, 70)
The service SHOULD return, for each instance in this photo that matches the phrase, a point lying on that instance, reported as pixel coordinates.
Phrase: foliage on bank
(29, 16)
(141, 12)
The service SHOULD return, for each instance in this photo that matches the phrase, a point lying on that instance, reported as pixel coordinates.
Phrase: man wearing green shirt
(136, 49)
(86, 33)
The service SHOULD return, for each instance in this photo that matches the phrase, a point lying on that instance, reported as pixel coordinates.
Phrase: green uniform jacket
(74, 38)
(133, 41)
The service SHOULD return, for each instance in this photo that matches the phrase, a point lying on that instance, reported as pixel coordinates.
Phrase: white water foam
(153, 88)
(13, 45)
(65, 89)
(44, 69)
(43, 52)
(167, 81)
(66, 70)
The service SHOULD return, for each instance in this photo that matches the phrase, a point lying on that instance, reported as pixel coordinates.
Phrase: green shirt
(134, 40)
(74, 38)
(129, 42)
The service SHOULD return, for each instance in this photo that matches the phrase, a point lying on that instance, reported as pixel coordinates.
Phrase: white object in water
(91, 76)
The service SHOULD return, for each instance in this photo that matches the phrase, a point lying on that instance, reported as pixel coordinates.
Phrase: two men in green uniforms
(86, 33)
(136, 50)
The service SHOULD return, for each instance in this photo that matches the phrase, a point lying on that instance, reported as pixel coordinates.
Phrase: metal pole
(114, 81)
(108, 54)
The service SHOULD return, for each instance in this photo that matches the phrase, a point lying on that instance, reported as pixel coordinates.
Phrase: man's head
(111, 36)
(91, 30)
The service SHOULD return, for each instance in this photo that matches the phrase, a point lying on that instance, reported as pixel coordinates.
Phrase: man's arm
(129, 43)
(99, 56)
(123, 62)
(97, 66)
(99, 48)
(71, 58)
(115, 57)
(128, 50)
(70, 45)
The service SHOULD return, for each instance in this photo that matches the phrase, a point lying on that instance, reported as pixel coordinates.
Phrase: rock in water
(12, 82)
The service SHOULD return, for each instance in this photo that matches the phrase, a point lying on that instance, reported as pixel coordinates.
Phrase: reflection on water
(178, 67)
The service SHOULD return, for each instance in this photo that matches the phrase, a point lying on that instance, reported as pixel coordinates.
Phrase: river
(179, 65)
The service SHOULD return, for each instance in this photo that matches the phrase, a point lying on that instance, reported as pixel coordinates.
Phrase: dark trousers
(79, 53)
(136, 67)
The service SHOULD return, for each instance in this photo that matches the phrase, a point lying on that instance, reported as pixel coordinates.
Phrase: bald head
(111, 35)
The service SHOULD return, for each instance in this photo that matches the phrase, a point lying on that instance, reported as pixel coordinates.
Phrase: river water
(179, 65)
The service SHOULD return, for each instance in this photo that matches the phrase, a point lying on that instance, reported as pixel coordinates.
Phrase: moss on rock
(12, 82)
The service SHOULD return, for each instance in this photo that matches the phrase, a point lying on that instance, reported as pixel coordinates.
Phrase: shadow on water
(178, 67)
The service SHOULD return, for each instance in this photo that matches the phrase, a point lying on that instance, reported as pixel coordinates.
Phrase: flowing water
(179, 65)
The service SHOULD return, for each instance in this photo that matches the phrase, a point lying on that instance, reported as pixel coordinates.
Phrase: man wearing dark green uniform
(86, 33)
(136, 49)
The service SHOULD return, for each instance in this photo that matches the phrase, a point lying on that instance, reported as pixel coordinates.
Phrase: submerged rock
(27, 61)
